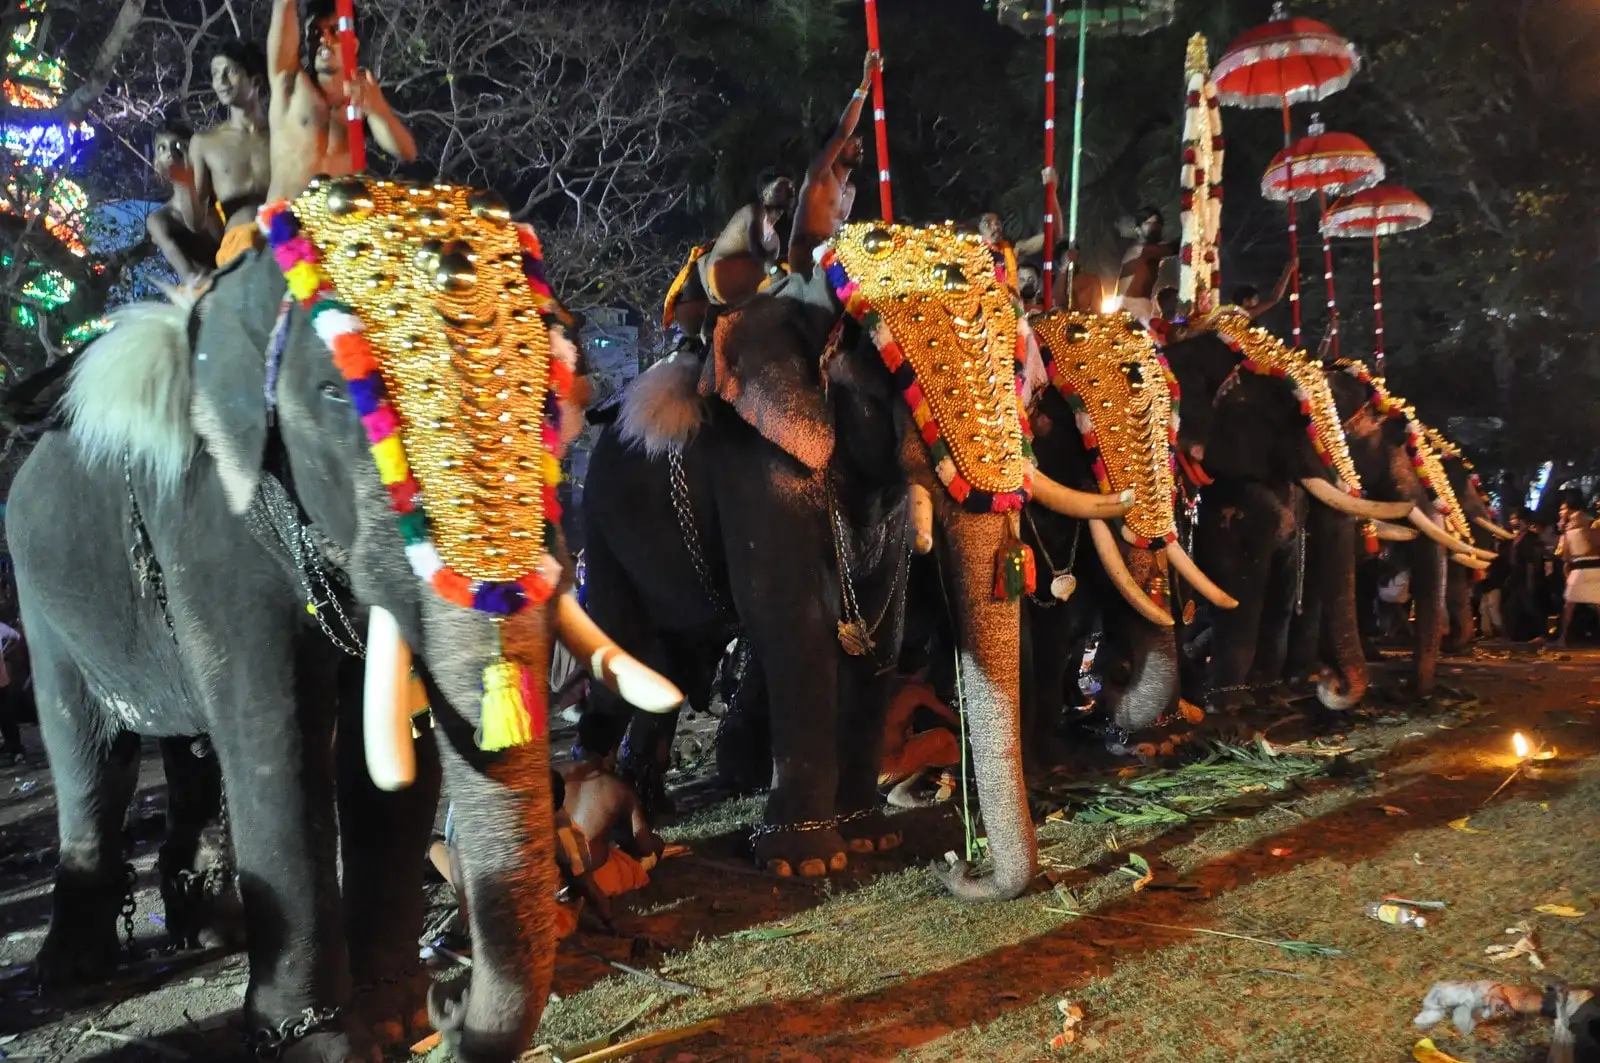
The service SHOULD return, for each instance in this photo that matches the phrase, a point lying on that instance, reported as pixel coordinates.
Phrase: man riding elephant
(744, 258)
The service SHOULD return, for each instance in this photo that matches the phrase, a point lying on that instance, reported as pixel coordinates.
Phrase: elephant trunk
(988, 637)
(1428, 592)
(1152, 653)
(505, 837)
(1334, 538)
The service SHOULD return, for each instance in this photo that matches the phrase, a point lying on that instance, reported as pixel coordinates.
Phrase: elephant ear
(764, 363)
(229, 406)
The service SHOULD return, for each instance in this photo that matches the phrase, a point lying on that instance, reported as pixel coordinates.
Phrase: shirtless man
(1087, 295)
(744, 256)
(231, 160)
(1136, 284)
(828, 194)
(993, 230)
(602, 807)
(307, 114)
(185, 233)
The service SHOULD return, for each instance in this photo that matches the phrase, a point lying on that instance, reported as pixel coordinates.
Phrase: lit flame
(1520, 744)
(1111, 304)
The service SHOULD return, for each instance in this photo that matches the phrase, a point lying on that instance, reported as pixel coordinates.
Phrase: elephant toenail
(780, 868)
(887, 842)
(813, 868)
(861, 845)
(837, 862)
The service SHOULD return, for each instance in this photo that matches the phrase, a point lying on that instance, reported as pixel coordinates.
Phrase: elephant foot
(82, 944)
(396, 1010)
(328, 1046)
(447, 1010)
(806, 853)
(871, 831)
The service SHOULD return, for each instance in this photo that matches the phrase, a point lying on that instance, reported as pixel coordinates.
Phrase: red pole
(885, 197)
(1327, 272)
(1294, 234)
(1377, 306)
(346, 12)
(1049, 146)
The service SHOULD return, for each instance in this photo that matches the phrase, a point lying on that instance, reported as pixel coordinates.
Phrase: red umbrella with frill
(1377, 212)
(1322, 164)
(1281, 63)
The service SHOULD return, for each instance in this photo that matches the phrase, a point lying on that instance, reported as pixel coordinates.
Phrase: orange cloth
(620, 874)
(933, 748)
(567, 919)
(669, 311)
(236, 241)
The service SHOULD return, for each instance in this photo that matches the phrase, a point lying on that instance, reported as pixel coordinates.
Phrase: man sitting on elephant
(828, 193)
(743, 258)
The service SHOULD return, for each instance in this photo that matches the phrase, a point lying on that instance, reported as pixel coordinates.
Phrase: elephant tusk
(921, 519)
(1337, 498)
(1476, 564)
(1394, 533)
(1492, 528)
(1432, 530)
(387, 701)
(1185, 566)
(1105, 544)
(1079, 505)
(641, 687)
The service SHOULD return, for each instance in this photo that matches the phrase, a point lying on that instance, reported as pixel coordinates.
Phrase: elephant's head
(1463, 475)
(409, 390)
(1111, 422)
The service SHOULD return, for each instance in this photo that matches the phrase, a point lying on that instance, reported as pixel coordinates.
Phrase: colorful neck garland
(433, 305)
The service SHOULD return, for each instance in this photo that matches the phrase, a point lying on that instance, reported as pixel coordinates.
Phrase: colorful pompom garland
(969, 498)
(338, 326)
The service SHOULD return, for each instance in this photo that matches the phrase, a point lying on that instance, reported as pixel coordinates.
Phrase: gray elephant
(227, 463)
(772, 486)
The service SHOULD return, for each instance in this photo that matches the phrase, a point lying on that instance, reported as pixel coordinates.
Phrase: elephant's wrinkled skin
(247, 665)
(761, 522)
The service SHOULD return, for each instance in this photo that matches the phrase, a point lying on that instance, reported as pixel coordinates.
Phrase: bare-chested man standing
(306, 116)
(1141, 264)
(828, 193)
(231, 159)
(184, 231)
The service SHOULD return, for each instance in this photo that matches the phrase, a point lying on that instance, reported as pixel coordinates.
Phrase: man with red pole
(319, 116)
(828, 193)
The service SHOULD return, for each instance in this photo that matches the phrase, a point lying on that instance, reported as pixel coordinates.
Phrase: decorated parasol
(1279, 64)
(1321, 164)
(1374, 213)
(1127, 19)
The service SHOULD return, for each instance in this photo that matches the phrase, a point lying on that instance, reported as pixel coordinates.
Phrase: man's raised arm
(849, 120)
(283, 39)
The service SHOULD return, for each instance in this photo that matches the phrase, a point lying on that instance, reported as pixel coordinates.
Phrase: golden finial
(1196, 59)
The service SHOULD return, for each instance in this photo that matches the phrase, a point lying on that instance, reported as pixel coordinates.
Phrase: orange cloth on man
(236, 241)
(621, 873)
(933, 748)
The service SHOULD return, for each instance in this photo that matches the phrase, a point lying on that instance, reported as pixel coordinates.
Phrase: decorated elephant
(1109, 423)
(247, 481)
(839, 422)
(1279, 484)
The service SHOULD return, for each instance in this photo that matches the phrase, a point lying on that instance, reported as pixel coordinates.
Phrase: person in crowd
(1248, 298)
(1524, 601)
(1581, 560)
(232, 161)
(910, 751)
(993, 230)
(607, 812)
(1088, 296)
(743, 259)
(309, 92)
(828, 193)
(185, 234)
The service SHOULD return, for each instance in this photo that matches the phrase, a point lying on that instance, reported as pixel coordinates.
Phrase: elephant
(1106, 423)
(1263, 430)
(193, 465)
(779, 488)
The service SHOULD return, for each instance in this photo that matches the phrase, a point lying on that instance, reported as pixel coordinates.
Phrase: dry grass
(886, 967)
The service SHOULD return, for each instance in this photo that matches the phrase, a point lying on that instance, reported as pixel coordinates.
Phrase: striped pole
(1327, 273)
(1050, 147)
(1077, 149)
(1377, 306)
(1294, 233)
(346, 12)
(885, 197)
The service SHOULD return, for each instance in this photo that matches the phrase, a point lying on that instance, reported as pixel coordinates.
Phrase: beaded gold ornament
(1125, 401)
(948, 331)
(433, 303)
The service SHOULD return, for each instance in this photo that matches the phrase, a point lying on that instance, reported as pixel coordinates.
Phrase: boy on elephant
(605, 810)
(828, 194)
(307, 113)
(745, 256)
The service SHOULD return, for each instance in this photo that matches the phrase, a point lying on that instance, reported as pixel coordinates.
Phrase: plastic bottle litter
(1396, 914)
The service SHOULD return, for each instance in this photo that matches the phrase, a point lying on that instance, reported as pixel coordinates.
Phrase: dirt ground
(878, 965)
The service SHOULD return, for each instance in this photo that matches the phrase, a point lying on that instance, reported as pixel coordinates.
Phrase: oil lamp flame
(1520, 744)
(1110, 304)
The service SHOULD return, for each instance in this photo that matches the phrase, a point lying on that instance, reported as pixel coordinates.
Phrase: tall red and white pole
(1294, 228)
(1377, 306)
(1049, 147)
(345, 10)
(880, 129)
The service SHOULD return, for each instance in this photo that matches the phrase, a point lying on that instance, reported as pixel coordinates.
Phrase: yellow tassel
(506, 722)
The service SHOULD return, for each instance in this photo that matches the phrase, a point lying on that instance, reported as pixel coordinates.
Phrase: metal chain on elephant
(1299, 571)
(142, 552)
(855, 637)
(270, 1043)
(691, 538)
(274, 520)
(762, 830)
(130, 878)
(1063, 584)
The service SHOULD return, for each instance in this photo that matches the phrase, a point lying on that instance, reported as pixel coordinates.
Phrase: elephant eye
(333, 392)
